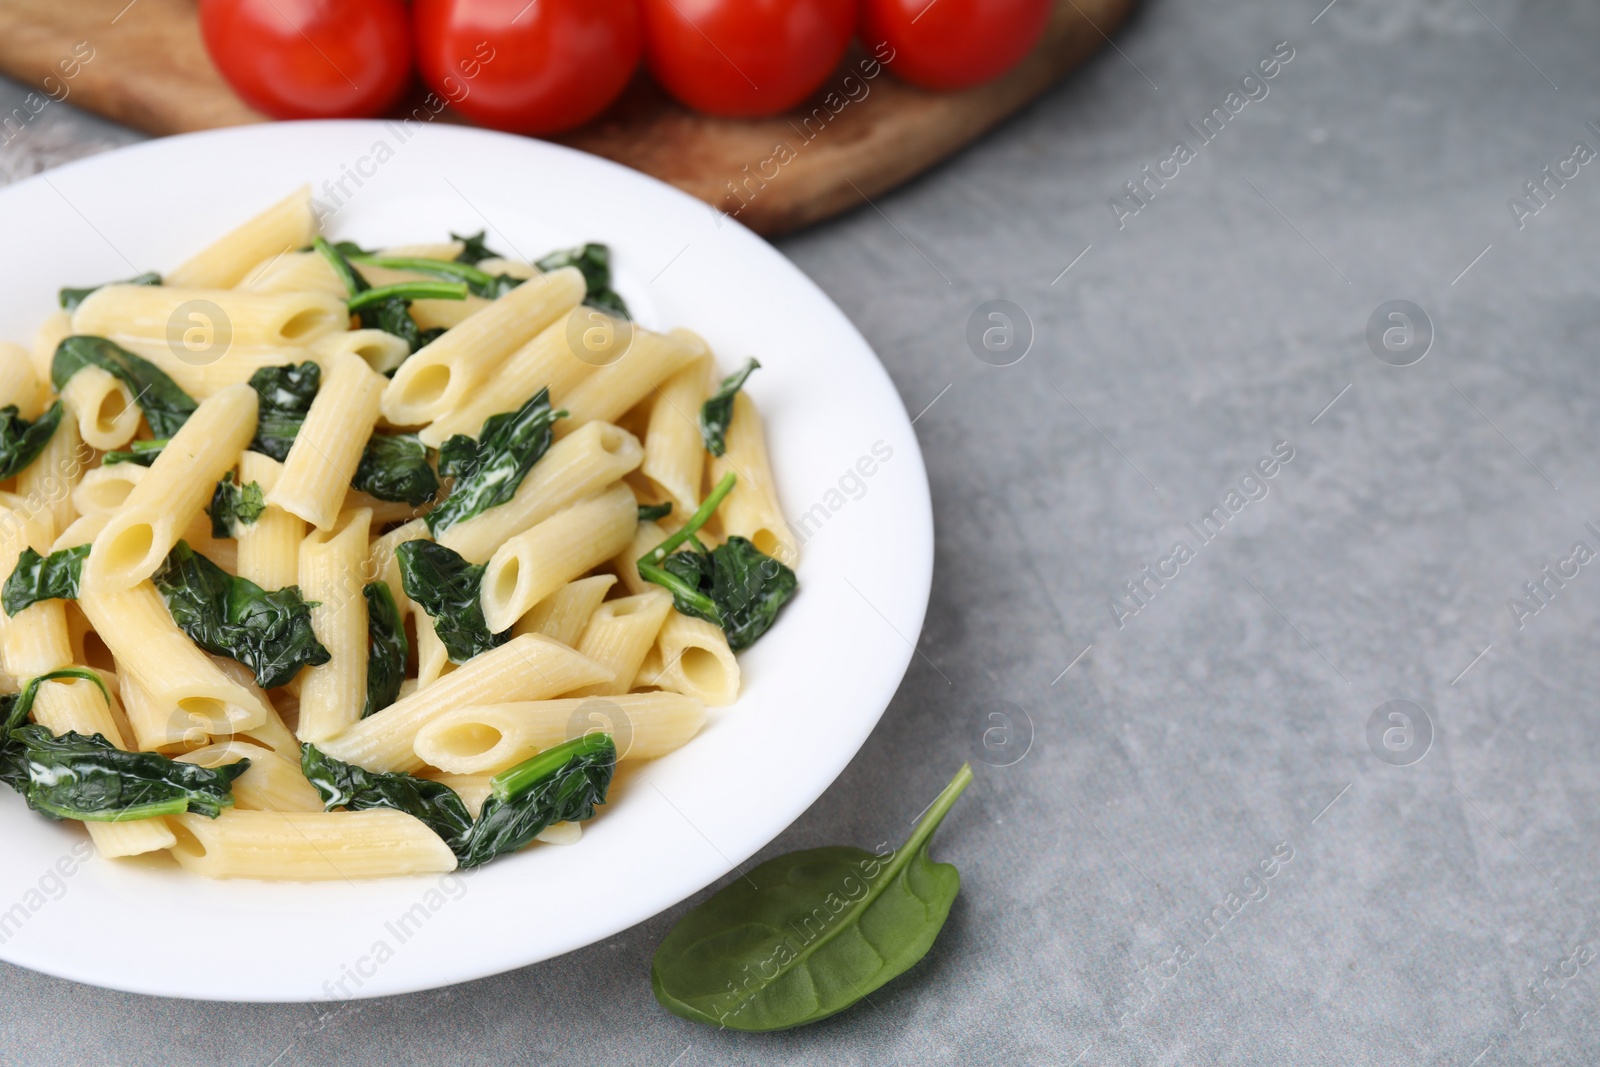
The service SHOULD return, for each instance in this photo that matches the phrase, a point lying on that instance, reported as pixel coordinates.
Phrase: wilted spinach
(387, 648)
(21, 441)
(354, 788)
(489, 471)
(717, 412)
(594, 260)
(166, 407)
(473, 248)
(808, 934)
(143, 453)
(478, 282)
(387, 308)
(286, 394)
(71, 298)
(560, 784)
(446, 587)
(652, 512)
(76, 777)
(268, 632)
(735, 585)
(36, 578)
(234, 505)
(395, 467)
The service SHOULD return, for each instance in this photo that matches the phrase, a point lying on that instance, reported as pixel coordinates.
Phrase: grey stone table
(1181, 720)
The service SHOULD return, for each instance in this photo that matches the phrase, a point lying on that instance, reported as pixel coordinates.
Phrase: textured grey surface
(1229, 715)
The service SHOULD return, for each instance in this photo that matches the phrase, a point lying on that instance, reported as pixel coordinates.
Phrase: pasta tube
(316, 475)
(332, 695)
(530, 667)
(534, 564)
(308, 846)
(486, 739)
(283, 227)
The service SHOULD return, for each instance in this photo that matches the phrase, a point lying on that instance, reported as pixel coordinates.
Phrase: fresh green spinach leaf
(21, 441)
(395, 467)
(652, 512)
(286, 394)
(735, 585)
(594, 260)
(354, 788)
(489, 471)
(166, 407)
(810, 933)
(268, 632)
(71, 298)
(446, 587)
(387, 648)
(143, 453)
(478, 282)
(36, 578)
(717, 412)
(14, 709)
(234, 505)
(560, 784)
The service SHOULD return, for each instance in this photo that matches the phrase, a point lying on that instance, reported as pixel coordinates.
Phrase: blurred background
(1370, 271)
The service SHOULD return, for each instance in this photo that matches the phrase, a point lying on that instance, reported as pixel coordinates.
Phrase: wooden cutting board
(150, 70)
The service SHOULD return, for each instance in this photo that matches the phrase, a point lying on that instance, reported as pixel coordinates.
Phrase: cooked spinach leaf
(354, 788)
(36, 578)
(89, 778)
(560, 784)
(166, 407)
(387, 648)
(473, 248)
(268, 632)
(234, 505)
(594, 260)
(286, 394)
(446, 587)
(735, 585)
(478, 282)
(143, 453)
(21, 441)
(71, 298)
(810, 933)
(488, 471)
(388, 308)
(652, 512)
(395, 467)
(717, 412)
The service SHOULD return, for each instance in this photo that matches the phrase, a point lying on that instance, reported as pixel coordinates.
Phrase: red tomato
(528, 66)
(745, 57)
(952, 44)
(311, 59)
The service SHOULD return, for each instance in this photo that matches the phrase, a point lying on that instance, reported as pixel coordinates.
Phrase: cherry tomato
(306, 59)
(952, 44)
(745, 57)
(528, 66)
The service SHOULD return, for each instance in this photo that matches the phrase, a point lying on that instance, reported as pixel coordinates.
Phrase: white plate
(814, 687)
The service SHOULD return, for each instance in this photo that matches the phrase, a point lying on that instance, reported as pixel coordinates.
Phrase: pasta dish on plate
(322, 562)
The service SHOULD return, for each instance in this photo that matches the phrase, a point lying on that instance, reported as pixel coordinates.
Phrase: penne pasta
(316, 475)
(269, 548)
(20, 386)
(752, 510)
(272, 782)
(283, 227)
(530, 667)
(206, 323)
(486, 739)
(612, 389)
(674, 453)
(173, 491)
(578, 466)
(104, 407)
(332, 695)
(564, 614)
(620, 634)
(438, 377)
(309, 846)
(534, 564)
(696, 660)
